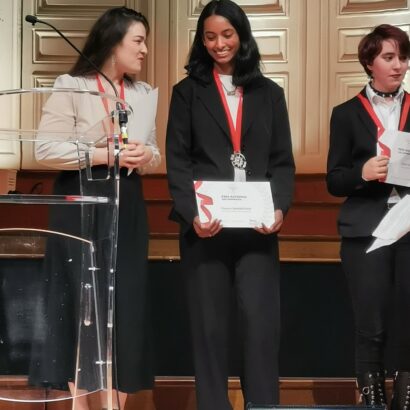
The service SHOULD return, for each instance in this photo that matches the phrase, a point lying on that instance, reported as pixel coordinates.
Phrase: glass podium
(56, 331)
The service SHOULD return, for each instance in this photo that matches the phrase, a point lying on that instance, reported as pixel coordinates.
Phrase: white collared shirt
(387, 109)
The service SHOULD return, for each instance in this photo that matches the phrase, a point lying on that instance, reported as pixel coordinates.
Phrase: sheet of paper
(236, 204)
(399, 164)
(144, 113)
(394, 225)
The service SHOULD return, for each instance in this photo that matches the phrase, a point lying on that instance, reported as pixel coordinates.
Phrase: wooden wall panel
(309, 232)
(308, 47)
(348, 23)
(370, 6)
(77, 7)
(313, 212)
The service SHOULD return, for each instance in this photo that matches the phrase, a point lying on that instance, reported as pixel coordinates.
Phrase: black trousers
(243, 263)
(379, 285)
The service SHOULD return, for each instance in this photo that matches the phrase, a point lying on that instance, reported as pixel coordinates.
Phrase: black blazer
(198, 144)
(353, 138)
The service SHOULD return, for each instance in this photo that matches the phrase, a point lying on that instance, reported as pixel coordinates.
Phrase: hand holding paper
(375, 168)
(208, 229)
(144, 112)
(135, 155)
(235, 204)
(398, 143)
(267, 230)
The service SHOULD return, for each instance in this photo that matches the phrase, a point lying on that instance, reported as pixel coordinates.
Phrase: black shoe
(372, 389)
(401, 391)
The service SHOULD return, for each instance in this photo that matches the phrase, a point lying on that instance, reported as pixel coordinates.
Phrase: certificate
(235, 204)
(398, 143)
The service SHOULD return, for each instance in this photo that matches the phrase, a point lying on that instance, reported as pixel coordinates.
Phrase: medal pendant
(238, 160)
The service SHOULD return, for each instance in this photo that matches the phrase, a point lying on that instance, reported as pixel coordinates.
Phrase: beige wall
(308, 47)
(10, 40)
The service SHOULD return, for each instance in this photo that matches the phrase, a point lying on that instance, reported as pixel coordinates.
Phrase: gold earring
(113, 60)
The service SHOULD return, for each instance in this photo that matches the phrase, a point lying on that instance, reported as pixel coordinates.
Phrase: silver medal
(238, 160)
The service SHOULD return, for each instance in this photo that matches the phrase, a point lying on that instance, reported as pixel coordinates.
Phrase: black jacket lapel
(208, 94)
(407, 123)
(252, 104)
(365, 117)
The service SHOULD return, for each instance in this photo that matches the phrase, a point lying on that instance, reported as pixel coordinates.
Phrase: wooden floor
(172, 393)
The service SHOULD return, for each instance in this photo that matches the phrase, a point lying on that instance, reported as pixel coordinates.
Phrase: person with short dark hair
(116, 45)
(379, 281)
(218, 263)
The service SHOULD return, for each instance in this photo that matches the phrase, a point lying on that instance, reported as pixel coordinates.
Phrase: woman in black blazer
(220, 262)
(357, 165)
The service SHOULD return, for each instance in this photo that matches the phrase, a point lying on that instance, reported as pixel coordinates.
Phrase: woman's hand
(207, 230)
(275, 227)
(375, 168)
(135, 155)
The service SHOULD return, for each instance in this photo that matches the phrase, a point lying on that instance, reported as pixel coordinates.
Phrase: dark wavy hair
(371, 45)
(247, 59)
(107, 32)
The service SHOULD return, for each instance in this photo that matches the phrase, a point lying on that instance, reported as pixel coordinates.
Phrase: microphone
(31, 19)
(122, 114)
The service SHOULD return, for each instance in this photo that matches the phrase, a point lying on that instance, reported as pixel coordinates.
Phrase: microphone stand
(123, 120)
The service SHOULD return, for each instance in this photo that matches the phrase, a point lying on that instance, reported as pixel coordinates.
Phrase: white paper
(394, 225)
(235, 204)
(399, 163)
(144, 113)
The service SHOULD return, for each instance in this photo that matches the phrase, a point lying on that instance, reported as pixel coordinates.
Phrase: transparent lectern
(64, 304)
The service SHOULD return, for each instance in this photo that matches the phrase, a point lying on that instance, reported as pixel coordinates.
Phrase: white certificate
(398, 142)
(235, 204)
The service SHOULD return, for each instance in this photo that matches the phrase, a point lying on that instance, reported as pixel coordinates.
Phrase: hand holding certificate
(398, 144)
(235, 204)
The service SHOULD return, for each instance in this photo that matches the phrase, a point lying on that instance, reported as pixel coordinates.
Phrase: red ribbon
(380, 129)
(385, 150)
(101, 89)
(205, 201)
(236, 132)
(404, 112)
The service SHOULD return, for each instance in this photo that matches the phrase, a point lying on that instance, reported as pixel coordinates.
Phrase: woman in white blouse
(117, 46)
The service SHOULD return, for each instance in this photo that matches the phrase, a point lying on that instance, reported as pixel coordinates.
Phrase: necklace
(229, 92)
(383, 94)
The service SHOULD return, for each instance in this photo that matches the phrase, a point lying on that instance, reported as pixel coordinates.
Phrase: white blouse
(62, 114)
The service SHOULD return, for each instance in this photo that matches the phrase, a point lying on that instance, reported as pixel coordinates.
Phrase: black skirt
(132, 348)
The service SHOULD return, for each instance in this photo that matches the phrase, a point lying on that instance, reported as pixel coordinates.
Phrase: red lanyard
(380, 129)
(235, 132)
(101, 89)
